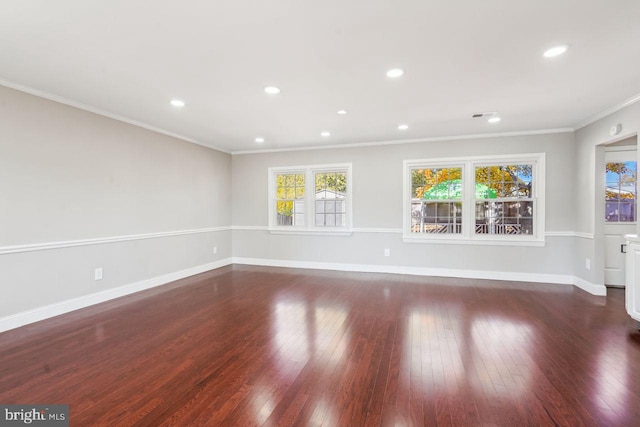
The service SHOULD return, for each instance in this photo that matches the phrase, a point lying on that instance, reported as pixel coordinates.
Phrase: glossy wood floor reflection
(243, 346)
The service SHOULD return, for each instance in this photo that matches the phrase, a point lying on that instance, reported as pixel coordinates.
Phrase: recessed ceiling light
(395, 73)
(272, 90)
(495, 119)
(325, 134)
(342, 112)
(179, 103)
(403, 127)
(555, 51)
(259, 140)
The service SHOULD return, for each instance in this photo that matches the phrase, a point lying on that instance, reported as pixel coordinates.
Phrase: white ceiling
(129, 58)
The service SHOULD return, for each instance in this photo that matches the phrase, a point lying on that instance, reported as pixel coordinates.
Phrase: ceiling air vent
(479, 115)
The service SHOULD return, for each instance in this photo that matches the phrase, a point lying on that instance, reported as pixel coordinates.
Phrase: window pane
(482, 175)
(330, 220)
(504, 218)
(612, 212)
(612, 191)
(514, 213)
(439, 184)
(495, 174)
(504, 181)
(498, 187)
(331, 192)
(511, 189)
(627, 211)
(330, 206)
(321, 182)
(341, 183)
(524, 190)
(435, 193)
(285, 220)
(620, 192)
(290, 193)
(290, 199)
(436, 217)
(331, 182)
(526, 225)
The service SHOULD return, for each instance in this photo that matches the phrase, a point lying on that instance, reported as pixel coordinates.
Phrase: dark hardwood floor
(244, 346)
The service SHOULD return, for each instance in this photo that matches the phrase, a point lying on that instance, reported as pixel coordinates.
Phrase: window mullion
(469, 203)
(309, 205)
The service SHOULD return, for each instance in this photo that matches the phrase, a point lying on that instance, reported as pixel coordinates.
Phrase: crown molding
(62, 100)
(407, 141)
(609, 111)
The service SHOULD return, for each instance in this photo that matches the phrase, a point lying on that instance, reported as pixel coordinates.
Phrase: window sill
(312, 232)
(451, 240)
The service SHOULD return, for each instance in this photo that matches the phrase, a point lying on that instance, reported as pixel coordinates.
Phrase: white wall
(377, 208)
(67, 175)
(589, 153)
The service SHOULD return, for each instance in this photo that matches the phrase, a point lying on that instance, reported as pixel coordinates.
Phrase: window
(482, 199)
(290, 198)
(504, 199)
(620, 192)
(314, 199)
(436, 200)
(330, 199)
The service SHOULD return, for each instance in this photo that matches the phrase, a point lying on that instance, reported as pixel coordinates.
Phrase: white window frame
(309, 200)
(468, 235)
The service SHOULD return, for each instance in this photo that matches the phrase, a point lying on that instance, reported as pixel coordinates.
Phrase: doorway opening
(620, 200)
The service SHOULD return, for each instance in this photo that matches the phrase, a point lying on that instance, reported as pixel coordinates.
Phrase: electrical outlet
(97, 274)
(215, 250)
(387, 252)
(587, 263)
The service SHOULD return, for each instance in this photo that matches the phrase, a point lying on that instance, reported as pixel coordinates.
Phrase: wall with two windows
(500, 204)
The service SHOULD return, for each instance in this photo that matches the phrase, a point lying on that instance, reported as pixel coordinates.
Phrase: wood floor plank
(259, 346)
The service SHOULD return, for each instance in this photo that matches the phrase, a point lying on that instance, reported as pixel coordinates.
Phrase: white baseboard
(592, 288)
(41, 313)
(561, 279)
(416, 271)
